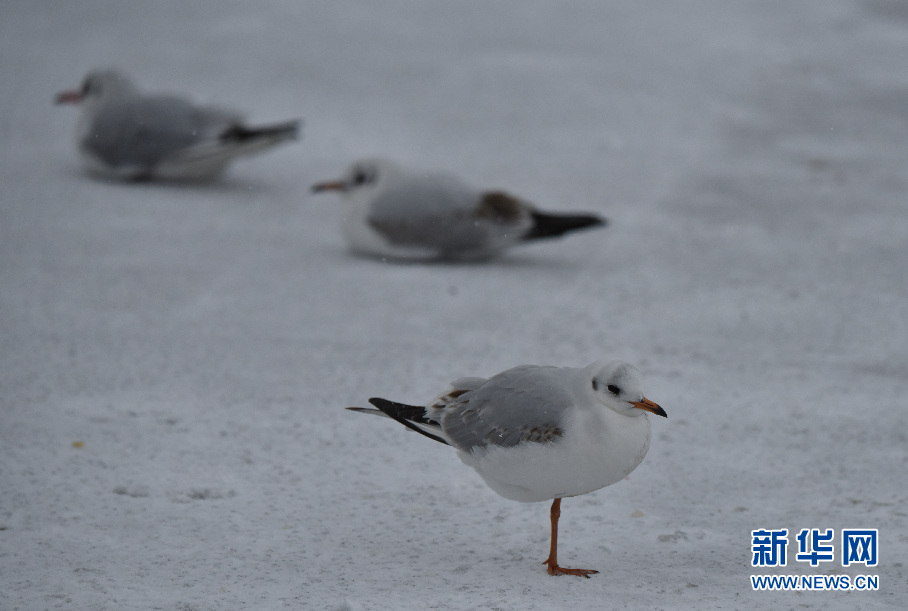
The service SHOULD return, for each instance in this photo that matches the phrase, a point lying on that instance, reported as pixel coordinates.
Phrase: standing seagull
(126, 135)
(413, 215)
(537, 433)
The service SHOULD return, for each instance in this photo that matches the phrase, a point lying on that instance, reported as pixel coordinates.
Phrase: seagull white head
(619, 386)
(99, 86)
(361, 177)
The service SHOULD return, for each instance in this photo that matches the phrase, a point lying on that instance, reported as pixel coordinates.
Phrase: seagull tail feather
(264, 134)
(555, 225)
(411, 416)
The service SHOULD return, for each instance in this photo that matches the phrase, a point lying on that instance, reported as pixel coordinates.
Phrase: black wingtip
(379, 402)
(555, 225)
(407, 415)
(288, 130)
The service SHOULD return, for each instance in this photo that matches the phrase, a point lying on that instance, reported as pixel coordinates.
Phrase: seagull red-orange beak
(329, 185)
(68, 97)
(648, 406)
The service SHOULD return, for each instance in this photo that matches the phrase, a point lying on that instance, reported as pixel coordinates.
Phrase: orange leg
(552, 561)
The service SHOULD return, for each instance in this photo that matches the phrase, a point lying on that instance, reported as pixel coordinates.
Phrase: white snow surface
(175, 360)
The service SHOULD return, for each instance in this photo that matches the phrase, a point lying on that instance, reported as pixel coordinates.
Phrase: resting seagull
(394, 213)
(126, 135)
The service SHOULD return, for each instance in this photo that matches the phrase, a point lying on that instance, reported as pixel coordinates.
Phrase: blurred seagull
(537, 433)
(126, 135)
(413, 215)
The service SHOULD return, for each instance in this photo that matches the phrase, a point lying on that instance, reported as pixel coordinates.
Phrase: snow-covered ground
(174, 360)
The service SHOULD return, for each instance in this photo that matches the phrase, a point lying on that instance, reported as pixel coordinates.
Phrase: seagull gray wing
(524, 404)
(458, 388)
(144, 131)
(468, 383)
(437, 212)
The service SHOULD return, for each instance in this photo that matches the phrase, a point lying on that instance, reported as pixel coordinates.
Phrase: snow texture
(175, 360)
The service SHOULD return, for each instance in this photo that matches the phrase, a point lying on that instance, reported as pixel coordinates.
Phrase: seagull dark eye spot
(362, 176)
(614, 389)
(595, 384)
